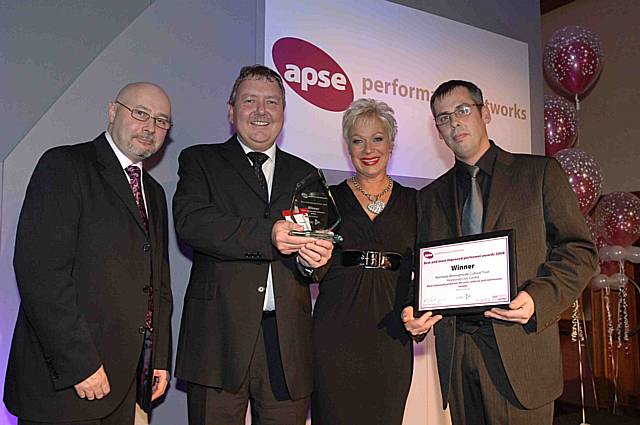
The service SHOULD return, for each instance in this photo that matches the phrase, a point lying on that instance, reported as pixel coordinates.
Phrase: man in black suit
(246, 324)
(91, 263)
(502, 367)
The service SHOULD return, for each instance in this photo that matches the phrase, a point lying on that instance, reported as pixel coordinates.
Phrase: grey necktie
(472, 209)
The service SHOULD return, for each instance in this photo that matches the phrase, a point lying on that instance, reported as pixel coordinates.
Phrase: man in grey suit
(246, 325)
(503, 367)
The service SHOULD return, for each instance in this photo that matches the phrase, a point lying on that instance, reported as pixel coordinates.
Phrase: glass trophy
(313, 207)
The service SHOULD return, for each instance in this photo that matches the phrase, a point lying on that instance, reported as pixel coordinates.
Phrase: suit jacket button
(267, 213)
(146, 247)
(146, 289)
(261, 289)
(141, 330)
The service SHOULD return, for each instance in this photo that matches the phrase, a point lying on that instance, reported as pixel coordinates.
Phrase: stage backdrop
(393, 53)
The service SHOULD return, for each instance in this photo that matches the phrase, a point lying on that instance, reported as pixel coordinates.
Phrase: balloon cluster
(572, 62)
(617, 226)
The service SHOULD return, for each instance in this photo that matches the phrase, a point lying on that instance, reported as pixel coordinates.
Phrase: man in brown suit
(503, 367)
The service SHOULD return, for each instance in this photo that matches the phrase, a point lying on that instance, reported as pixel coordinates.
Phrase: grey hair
(368, 108)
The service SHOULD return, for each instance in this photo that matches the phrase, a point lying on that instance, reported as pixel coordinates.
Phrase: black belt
(372, 259)
(268, 313)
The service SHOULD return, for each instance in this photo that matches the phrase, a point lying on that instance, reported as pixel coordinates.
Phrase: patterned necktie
(136, 188)
(257, 159)
(472, 209)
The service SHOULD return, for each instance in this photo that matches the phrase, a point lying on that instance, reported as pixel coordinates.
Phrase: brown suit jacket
(555, 259)
(221, 212)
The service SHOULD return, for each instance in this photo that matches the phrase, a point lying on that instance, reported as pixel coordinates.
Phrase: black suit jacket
(555, 260)
(221, 212)
(82, 259)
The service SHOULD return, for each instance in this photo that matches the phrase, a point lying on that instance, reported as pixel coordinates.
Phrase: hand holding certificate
(466, 275)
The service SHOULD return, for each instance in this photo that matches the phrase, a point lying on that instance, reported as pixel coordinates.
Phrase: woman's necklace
(375, 205)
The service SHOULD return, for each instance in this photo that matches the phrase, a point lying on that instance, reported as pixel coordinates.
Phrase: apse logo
(312, 74)
(428, 255)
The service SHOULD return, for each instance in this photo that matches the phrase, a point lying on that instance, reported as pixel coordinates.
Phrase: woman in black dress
(363, 357)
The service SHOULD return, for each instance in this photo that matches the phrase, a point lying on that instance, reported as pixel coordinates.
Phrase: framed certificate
(466, 275)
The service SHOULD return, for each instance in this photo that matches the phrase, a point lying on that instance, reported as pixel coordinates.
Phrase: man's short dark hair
(446, 88)
(256, 72)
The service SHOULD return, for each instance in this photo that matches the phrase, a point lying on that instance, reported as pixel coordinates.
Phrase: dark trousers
(480, 390)
(123, 415)
(264, 386)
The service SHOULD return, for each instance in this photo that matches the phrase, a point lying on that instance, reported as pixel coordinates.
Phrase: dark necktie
(136, 188)
(472, 209)
(134, 181)
(257, 159)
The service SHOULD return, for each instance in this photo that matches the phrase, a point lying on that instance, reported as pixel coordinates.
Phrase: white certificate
(466, 275)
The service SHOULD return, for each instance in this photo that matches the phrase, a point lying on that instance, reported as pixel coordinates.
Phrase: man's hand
(286, 243)
(520, 310)
(160, 383)
(95, 386)
(418, 326)
(315, 254)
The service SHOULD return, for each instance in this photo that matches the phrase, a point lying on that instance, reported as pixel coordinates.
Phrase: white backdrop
(399, 55)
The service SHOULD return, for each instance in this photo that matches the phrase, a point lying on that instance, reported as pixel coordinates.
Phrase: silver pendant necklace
(375, 205)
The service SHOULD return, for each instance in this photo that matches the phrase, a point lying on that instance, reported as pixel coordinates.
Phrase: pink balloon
(559, 124)
(618, 218)
(584, 176)
(573, 59)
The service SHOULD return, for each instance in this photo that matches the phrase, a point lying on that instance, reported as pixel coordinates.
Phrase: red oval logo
(313, 74)
(428, 254)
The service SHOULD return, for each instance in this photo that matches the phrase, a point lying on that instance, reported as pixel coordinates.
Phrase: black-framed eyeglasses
(140, 115)
(461, 111)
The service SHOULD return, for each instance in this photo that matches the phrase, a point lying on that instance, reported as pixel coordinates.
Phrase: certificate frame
(505, 238)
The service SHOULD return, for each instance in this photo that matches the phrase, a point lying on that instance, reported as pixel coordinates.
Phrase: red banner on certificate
(466, 275)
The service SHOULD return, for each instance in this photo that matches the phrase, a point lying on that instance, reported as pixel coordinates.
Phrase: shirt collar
(271, 152)
(122, 158)
(485, 163)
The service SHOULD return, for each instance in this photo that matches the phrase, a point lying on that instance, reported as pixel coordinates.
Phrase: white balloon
(616, 253)
(617, 281)
(599, 281)
(611, 253)
(632, 254)
(603, 253)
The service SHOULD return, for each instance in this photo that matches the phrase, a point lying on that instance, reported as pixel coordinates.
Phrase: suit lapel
(449, 202)
(114, 176)
(153, 209)
(238, 159)
(500, 189)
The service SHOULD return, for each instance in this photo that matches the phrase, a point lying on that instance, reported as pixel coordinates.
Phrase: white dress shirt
(268, 168)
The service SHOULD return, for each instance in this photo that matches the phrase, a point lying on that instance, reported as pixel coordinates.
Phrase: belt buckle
(371, 259)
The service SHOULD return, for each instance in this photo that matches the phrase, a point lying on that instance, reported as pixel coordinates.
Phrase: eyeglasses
(141, 115)
(461, 111)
